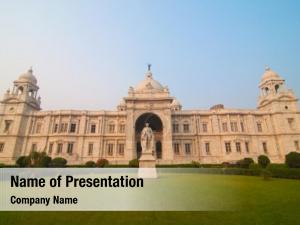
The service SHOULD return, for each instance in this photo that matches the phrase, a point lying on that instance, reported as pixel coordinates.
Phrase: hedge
(289, 173)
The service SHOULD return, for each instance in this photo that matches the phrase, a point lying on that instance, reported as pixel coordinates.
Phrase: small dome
(122, 102)
(28, 77)
(270, 75)
(175, 102)
(149, 83)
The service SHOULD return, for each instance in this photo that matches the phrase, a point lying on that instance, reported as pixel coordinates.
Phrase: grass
(273, 202)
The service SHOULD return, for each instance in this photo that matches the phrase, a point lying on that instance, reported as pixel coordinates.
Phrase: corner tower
(16, 108)
(274, 94)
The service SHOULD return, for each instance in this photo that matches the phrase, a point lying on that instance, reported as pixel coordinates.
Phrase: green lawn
(260, 202)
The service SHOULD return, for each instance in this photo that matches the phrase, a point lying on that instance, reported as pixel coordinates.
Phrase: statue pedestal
(147, 167)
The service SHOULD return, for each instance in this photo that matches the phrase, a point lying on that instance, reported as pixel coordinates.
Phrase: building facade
(208, 136)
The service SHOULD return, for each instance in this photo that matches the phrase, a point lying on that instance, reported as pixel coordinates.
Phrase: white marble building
(209, 136)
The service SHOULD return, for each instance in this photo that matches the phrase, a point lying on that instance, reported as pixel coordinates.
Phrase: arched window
(20, 90)
(276, 88)
(31, 93)
(266, 90)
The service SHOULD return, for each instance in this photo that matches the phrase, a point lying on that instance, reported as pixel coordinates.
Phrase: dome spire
(267, 68)
(149, 73)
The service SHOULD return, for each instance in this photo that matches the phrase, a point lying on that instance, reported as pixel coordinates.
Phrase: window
(276, 88)
(111, 128)
(90, 149)
(187, 148)
(176, 148)
(38, 128)
(297, 145)
(247, 147)
(63, 127)
(238, 147)
(73, 128)
(242, 127)
(59, 148)
(204, 127)
(224, 127)
(93, 128)
(70, 148)
(110, 149)
(227, 147)
(265, 148)
(121, 149)
(175, 128)
(7, 125)
(291, 123)
(234, 127)
(122, 128)
(55, 129)
(50, 148)
(259, 127)
(186, 128)
(33, 147)
(207, 148)
(1, 147)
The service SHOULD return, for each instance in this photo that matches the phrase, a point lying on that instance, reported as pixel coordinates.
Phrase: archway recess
(156, 125)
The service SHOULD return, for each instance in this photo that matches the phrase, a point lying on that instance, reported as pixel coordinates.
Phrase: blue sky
(85, 54)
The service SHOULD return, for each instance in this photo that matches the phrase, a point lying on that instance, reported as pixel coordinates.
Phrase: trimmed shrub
(102, 163)
(245, 163)
(263, 161)
(90, 164)
(241, 171)
(292, 160)
(254, 166)
(276, 166)
(195, 164)
(118, 166)
(211, 166)
(58, 162)
(2, 165)
(23, 161)
(175, 166)
(134, 163)
(266, 174)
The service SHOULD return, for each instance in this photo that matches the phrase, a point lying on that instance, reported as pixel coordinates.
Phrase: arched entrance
(156, 125)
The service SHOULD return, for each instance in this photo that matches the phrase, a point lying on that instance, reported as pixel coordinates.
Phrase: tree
(292, 160)
(23, 161)
(263, 161)
(39, 159)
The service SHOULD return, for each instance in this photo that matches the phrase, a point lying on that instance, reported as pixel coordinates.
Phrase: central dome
(149, 83)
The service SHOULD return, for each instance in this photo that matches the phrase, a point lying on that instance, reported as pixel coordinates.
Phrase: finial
(267, 68)
(30, 69)
(149, 67)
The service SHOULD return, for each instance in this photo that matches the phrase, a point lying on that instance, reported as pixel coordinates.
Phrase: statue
(147, 139)
(147, 161)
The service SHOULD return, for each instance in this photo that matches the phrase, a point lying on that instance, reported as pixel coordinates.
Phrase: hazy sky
(85, 54)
